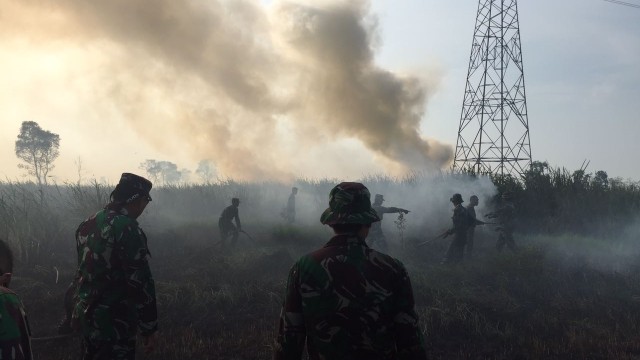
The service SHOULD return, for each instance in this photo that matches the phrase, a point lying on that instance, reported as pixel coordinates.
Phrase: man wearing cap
(225, 225)
(506, 216)
(461, 222)
(346, 300)
(116, 293)
(376, 236)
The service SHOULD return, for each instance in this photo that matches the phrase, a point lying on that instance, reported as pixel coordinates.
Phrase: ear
(5, 279)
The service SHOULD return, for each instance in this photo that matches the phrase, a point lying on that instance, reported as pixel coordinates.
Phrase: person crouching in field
(15, 341)
(116, 293)
(346, 300)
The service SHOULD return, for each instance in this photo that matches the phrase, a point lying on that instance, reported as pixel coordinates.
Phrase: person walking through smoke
(116, 296)
(506, 216)
(471, 211)
(15, 336)
(461, 222)
(289, 212)
(377, 237)
(225, 225)
(346, 300)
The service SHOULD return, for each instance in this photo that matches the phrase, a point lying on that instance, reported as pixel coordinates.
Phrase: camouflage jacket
(348, 301)
(15, 343)
(116, 291)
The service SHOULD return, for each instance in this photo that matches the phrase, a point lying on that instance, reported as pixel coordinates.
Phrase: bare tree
(38, 149)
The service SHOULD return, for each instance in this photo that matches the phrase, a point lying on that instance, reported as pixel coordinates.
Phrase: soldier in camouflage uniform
(376, 236)
(15, 336)
(225, 225)
(116, 294)
(506, 216)
(461, 222)
(346, 300)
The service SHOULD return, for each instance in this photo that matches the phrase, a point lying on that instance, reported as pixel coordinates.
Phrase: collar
(344, 240)
(117, 208)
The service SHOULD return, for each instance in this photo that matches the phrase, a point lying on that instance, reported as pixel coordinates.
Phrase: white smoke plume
(280, 92)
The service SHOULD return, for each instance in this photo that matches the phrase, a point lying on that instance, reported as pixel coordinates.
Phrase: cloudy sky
(285, 89)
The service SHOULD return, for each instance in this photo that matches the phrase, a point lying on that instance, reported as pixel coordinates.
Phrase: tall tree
(165, 172)
(38, 149)
(206, 171)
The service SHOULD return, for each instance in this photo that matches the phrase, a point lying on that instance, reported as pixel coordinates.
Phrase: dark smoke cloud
(223, 78)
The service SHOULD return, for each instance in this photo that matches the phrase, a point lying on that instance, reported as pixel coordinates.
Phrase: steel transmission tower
(494, 129)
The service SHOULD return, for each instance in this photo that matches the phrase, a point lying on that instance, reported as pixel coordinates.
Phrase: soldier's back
(351, 297)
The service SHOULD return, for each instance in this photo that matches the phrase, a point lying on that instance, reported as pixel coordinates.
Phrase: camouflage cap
(456, 198)
(130, 187)
(349, 203)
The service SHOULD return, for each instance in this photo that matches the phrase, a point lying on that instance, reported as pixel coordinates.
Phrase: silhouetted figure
(226, 226)
(471, 211)
(290, 210)
(376, 236)
(506, 216)
(461, 222)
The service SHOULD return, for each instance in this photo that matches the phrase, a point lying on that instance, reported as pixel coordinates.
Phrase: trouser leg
(510, 243)
(223, 232)
(456, 249)
(470, 236)
(234, 236)
(501, 242)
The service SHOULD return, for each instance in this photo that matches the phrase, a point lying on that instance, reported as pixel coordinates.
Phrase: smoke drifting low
(279, 92)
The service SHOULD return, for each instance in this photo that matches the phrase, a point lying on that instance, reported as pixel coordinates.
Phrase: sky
(304, 89)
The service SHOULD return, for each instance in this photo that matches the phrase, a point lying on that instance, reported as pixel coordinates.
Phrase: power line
(624, 3)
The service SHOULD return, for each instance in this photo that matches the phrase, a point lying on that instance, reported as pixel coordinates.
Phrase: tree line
(38, 149)
(548, 199)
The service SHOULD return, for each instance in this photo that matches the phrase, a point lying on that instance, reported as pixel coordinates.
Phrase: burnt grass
(224, 304)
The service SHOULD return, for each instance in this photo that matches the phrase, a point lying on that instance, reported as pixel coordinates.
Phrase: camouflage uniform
(15, 343)
(346, 300)
(376, 235)
(225, 225)
(116, 292)
(459, 231)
